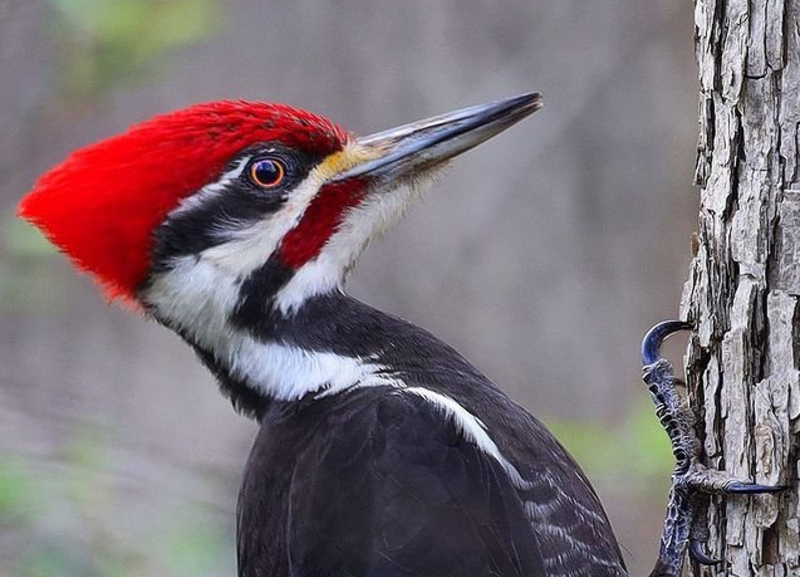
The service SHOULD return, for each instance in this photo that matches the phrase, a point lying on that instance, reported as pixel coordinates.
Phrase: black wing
(389, 488)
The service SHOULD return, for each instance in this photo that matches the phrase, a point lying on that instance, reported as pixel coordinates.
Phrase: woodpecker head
(238, 205)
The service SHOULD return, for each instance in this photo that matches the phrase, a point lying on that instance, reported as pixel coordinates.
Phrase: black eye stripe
(239, 203)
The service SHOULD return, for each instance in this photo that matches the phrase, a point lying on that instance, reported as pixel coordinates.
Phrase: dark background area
(543, 255)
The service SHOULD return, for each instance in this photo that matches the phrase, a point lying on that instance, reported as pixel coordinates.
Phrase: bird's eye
(267, 172)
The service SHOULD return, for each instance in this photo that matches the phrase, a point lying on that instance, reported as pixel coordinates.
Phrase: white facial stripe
(245, 249)
(473, 430)
(361, 224)
(196, 298)
(211, 190)
(249, 247)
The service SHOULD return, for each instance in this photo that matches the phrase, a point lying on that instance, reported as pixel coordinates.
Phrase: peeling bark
(744, 282)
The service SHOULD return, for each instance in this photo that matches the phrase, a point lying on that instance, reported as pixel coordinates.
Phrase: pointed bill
(404, 150)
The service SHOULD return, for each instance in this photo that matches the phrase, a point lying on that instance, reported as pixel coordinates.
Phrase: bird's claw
(697, 552)
(651, 344)
(691, 480)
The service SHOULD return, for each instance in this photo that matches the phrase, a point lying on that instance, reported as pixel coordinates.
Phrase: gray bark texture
(744, 283)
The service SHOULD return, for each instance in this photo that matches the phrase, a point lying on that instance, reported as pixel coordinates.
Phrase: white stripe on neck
(200, 198)
(290, 373)
(197, 299)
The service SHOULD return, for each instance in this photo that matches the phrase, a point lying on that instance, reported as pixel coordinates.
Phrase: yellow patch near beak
(350, 156)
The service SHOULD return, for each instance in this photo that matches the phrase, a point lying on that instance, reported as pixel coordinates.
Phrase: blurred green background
(543, 256)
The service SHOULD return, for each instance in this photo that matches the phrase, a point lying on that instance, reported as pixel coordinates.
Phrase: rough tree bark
(744, 282)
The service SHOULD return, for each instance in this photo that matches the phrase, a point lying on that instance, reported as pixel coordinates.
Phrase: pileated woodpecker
(382, 451)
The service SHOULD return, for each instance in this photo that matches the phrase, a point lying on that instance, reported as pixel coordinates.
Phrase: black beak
(426, 143)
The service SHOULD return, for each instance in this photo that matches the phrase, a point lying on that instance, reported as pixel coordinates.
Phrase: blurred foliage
(59, 520)
(637, 450)
(190, 547)
(24, 240)
(17, 496)
(108, 42)
(27, 282)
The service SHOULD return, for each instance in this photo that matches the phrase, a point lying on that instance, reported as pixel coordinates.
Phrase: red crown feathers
(102, 204)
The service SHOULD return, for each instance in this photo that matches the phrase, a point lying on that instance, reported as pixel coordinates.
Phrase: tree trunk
(744, 282)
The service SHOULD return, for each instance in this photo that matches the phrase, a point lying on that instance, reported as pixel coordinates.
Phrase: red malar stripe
(321, 219)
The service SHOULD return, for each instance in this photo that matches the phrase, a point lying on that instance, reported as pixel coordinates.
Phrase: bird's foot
(692, 483)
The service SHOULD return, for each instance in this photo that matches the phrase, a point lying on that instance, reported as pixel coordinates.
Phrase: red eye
(267, 172)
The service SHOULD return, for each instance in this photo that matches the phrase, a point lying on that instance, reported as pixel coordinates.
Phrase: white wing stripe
(473, 429)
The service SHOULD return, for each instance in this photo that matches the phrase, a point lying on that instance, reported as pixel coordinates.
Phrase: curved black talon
(738, 488)
(697, 553)
(651, 344)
